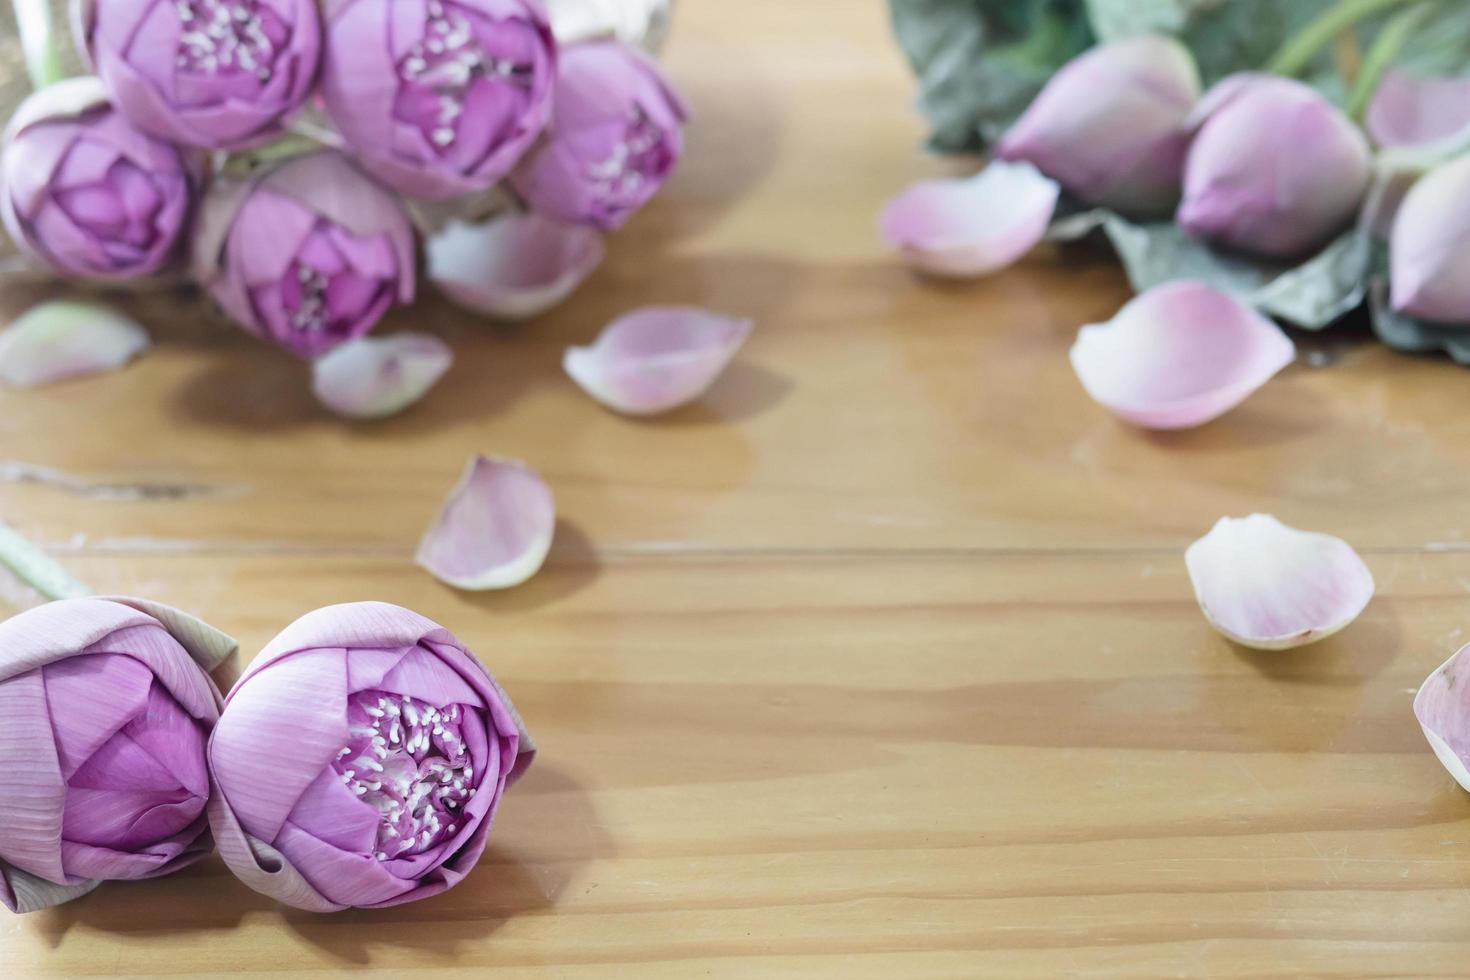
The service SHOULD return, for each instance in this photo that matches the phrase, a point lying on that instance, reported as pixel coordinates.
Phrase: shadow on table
(571, 566)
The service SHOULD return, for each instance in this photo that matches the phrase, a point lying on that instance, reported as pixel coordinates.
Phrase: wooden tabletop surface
(879, 662)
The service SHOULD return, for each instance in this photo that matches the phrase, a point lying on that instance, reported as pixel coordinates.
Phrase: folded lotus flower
(105, 708)
(1272, 587)
(1443, 711)
(614, 139)
(219, 74)
(495, 529)
(1429, 246)
(63, 339)
(87, 194)
(656, 359)
(360, 761)
(973, 226)
(438, 97)
(374, 377)
(514, 266)
(1275, 168)
(1110, 125)
(1412, 112)
(1178, 356)
(308, 254)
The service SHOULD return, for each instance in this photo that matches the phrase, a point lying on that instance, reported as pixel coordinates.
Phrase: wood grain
(879, 662)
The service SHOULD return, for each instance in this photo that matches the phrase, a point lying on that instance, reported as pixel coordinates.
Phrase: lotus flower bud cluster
(105, 709)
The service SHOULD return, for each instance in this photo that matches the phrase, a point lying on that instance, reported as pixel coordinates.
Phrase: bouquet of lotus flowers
(1300, 160)
(292, 157)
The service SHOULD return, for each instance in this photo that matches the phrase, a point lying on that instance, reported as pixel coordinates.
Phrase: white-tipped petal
(373, 377)
(657, 358)
(512, 267)
(64, 339)
(972, 226)
(1272, 587)
(1178, 356)
(1443, 709)
(494, 530)
(1408, 111)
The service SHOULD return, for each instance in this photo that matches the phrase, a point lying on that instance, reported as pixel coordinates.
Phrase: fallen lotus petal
(63, 339)
(374, 377)
(1408, 111)
(1272, 587)
(494, 530)
(656, 359)
(1443, 710)
(972, 226)
(513, 267)
(360, 760)
(1178, 356)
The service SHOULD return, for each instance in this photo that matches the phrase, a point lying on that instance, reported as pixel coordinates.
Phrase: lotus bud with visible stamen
(614, 139)
(308, 254)
(360, 760)
(219, 74)
(438, 98)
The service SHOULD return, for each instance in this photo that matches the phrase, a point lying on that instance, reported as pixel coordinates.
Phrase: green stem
(1301, 48)
(1386, 46)
(38, 41)
(36, 568)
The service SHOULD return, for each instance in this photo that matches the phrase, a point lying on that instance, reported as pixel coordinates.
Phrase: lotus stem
(36, 568)
(38, 41)
(1300, 49)
(1386, 46)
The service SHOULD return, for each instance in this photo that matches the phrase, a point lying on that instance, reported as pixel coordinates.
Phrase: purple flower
(438, 97)
(1110, 125)
(105, 708)
(211, 73)
(1429, 246)
(360, 761)
(614, 139)
(86, 193)
(1275, 169)
(309, 254)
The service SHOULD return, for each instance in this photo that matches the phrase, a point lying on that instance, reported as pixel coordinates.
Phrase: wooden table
(880, 662)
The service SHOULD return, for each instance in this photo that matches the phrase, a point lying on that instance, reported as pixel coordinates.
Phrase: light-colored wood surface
(881, 662)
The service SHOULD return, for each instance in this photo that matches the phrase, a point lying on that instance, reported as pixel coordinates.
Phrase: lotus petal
(374, 377)
(513, 267)
(494, 530)
(657, 358)
(1272, 587)
(972, 226)
(1409, 111)
(63, 339)
(1178, 356)
(1443, 709)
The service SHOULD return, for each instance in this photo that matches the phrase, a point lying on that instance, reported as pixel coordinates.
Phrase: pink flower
(105, 707)
(614, 139)
(86, 193)
(1429, 246)
(360, 761)
(213, 73)
(438, 97)
(309, 254)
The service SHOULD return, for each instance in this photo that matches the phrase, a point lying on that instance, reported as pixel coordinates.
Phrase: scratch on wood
(17, 471)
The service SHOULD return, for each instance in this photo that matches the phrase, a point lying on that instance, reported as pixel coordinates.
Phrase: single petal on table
(656, 359)
(513, 267)
(1443, 709)
(1410, 111)
(63, 339)
(1272, 587)
(1178, 356)
(973, 226)
(495, 529)
(374, 377)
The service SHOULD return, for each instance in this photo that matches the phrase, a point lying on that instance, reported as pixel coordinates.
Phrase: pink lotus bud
(360, 761)
(213, 73)
(1109, 126)
(1429, 250)
(438, 97)
(308, 254)
(614, 139)
(1275, 169)
(86, 193)
(105, 708)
